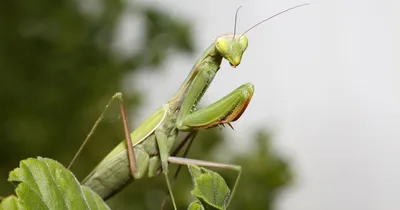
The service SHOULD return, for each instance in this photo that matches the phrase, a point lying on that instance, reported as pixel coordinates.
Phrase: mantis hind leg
(131, 155)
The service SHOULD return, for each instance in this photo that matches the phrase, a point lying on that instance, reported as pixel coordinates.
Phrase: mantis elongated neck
(211, 58)
(197, 83)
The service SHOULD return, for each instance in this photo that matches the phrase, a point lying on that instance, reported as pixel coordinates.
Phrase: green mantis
(148, 147)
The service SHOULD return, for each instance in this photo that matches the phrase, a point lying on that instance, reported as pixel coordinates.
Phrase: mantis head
(231, 48)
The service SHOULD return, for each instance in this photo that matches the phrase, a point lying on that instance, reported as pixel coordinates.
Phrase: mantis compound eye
(222, 45)
(244, 42)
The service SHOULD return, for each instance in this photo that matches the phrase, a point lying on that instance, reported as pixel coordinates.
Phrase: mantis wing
(113, 172)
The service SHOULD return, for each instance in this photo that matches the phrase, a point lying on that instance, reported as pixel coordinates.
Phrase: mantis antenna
(269, 18)
(234, 29)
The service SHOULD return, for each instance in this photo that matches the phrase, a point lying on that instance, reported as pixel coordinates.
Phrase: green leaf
(46, 184)
(9, 203)
(209, 187)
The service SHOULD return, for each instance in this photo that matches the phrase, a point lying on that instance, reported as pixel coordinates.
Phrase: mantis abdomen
(113, 173)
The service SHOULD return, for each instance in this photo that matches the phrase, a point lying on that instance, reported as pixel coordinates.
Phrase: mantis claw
(230, 125)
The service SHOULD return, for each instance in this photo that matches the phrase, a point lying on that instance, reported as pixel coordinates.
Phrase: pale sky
(326, 85)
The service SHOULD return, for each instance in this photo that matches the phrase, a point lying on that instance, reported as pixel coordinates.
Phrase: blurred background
(320, 132)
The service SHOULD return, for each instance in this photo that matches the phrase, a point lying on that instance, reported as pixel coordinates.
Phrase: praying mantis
(149, 147)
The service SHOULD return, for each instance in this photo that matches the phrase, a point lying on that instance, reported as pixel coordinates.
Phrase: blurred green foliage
(59, 66)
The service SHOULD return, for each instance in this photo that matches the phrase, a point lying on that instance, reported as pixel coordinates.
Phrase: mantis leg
(227, 109)
(131, 154)
(163, 148)
(187, 161)
(188, 139)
